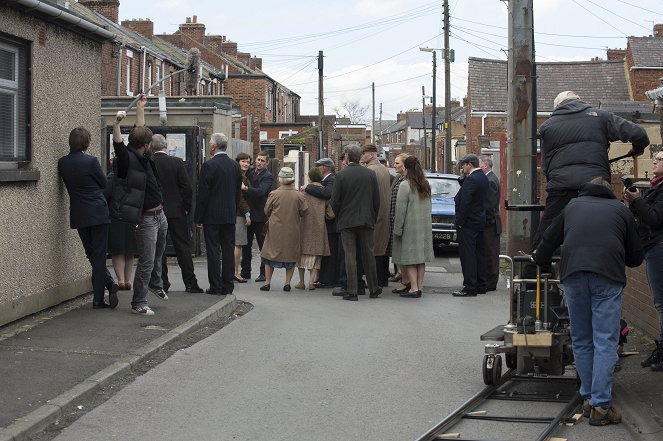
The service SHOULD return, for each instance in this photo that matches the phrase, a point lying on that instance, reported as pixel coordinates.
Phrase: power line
(618, 16)
(574, 1)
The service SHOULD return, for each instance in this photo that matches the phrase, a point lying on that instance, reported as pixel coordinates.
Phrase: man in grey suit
(491, 234)
(356, 202)
(216, 210)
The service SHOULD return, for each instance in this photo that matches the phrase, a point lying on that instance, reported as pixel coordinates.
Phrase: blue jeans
(595, 304)
(151, 244)
(654, 259)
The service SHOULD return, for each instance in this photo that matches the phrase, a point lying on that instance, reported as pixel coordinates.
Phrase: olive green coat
(413, 237)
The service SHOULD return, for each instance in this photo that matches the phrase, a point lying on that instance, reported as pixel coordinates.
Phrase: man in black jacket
(470, 222)
(261, 181)
(356, 202)
(599, 237)
(137, 199)
(491, 234)
(574, 149)
(177, 193)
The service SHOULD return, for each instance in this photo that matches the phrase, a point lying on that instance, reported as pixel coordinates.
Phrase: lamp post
(433, 166)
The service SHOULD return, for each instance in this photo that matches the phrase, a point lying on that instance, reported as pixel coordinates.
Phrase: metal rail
(495, 393)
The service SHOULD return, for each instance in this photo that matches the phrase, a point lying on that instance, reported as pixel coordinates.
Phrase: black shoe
(375, 294)
(286, 288)
(322, 285)
(102, 305)
(654, 357)
(481, 292)
(339, 292)
(493, 288)
(657, 367)
(411, 294)
(112, 295)
(406, 289)
(194, 289)
(265, 287)
(463, 293)
(260, 278)
(213, 293)
(350, 297)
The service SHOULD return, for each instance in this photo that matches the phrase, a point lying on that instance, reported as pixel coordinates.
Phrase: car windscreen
(443, 187)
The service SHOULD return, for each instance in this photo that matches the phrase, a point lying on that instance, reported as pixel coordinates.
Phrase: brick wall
(616, 54)
(643, 80)
(193, 30)
(249, 95)
(109, 60)
(638, 306)
(107, 8)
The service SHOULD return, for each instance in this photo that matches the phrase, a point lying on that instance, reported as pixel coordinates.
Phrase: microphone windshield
(192, 72)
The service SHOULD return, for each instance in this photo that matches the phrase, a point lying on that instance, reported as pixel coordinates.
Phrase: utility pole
(423, 120)
(381, 143)
(373, 119)
(433, 163)
(447, 93)
(321, 104)
(521, 116)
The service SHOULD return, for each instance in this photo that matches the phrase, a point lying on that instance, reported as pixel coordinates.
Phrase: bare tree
(352, 110)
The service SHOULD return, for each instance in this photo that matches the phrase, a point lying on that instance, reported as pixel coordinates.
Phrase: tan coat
(381, 232)
(285, 208)
(314, 229)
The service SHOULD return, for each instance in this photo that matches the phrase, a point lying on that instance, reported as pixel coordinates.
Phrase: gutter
(645, 68)
(71, 19)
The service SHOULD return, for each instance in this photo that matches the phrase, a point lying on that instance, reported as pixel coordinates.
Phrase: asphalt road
(306, 365)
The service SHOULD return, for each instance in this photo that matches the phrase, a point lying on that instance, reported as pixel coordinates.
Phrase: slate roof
(594, 81)
(647, 51)
(415, 122)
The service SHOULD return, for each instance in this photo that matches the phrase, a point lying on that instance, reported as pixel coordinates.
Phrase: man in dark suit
(491, 234)
(329, 267)
(216, 210)
(88, 212)
(176, 190)
(261, 181)
(356, 201)
(470, 223)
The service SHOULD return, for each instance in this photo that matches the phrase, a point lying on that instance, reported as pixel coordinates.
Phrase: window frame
(22, 132)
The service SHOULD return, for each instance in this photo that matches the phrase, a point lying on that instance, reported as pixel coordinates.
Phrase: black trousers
(95, 242)
(256, 229)
(362, 237)
(555, 203)
(220, 238)
(382, 270)
(329, 265)
(472, 259)
(492, 245)
(178, 232)
(342, 273)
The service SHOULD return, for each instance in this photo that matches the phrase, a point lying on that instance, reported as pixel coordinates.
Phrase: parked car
(443, 189)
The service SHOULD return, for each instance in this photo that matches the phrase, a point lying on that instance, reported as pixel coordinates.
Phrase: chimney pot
(195, 19)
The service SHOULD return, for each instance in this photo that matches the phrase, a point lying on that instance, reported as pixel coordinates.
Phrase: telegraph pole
(321, 104)
(373, 119)
(447, 93)
(433, 163)
(521, 117)
(423, 120)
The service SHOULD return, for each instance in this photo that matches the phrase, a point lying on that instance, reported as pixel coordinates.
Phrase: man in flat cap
(470, 222)
(381, 232)
(574, 149)
(329, 266)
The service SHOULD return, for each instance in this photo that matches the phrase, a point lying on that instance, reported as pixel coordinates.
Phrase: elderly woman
(401, 275)
(648, 211)
(243, 215)
(413, 242)
(314, 233)
(285, 209)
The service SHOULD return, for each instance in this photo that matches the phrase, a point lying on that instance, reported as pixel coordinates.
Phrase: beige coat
(314, 229)
(285, 208)
(381, 232)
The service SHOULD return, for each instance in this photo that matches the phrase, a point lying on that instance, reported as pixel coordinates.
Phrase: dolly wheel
(488, 364)
(497, 370)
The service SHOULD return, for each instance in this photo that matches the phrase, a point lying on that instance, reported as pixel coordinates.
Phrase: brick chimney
(255, 63)
(244, 57)
(140, 26)
(193, 30)
(616, 54)
(229, 47)
(454, 104)
(214, 42)
(107, 8)
(658, 30)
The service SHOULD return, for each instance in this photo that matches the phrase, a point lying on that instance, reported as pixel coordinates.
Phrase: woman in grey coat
(413, 241)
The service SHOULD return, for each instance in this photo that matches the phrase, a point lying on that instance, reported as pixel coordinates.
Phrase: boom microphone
(192, 72)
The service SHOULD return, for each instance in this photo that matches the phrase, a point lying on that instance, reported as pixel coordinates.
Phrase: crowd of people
(349, 221)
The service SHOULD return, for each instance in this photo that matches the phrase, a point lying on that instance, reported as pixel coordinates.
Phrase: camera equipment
(628, 184)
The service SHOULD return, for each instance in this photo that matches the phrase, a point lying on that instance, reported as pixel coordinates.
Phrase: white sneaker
(159, 293)
(142, 310)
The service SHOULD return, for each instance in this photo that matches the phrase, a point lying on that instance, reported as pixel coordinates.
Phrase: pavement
(53, 360)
